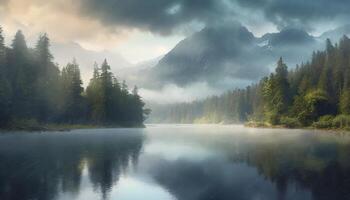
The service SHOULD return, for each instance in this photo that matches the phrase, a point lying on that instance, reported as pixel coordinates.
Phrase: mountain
(211, 53)
(336, 33)
(221, 57)
(288, 37)
(86, 58)
(229, 56)
(136, 73)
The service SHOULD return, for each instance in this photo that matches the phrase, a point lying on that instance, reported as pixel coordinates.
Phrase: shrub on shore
(290, 122)
(325, 122)
(256, 124)
(341, 121)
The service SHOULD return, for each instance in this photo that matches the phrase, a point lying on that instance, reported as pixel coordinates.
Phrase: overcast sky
(144, 29)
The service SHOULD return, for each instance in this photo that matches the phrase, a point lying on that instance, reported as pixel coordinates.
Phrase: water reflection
(39, 166)
(268, 164)
(176, 162)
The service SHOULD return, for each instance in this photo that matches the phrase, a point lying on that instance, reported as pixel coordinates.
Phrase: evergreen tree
(73, 101)
(33, 89)
(106, 90)
(93, 92)
(276, 93)
(47, 82)
(282, 96)
(5, 89)
(138, 104)
(21, 76)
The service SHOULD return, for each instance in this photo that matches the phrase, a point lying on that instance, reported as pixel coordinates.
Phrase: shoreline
(69, 127)
(64, 127)
(266, 125)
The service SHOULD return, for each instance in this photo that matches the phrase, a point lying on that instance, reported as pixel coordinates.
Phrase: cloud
(299, 13)
(154, 15)
(164, 17)
(172, 93)
(107, 24)
(108, 20)
(59, 18)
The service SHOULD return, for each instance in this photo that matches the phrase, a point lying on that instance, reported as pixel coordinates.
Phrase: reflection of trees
(319, 164)
(105, 164)
(315, 164)
(40, 166)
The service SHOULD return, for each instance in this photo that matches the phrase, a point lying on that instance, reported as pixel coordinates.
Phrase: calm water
(169, 162)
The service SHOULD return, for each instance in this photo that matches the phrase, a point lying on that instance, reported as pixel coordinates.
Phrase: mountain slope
(337, 33)
(230, 55)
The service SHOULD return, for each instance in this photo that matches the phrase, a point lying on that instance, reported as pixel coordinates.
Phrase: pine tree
(276, 93)
(282, 86)
(74, 105)
(94, 97)
(107, 90)
(138, 105)
(5, 88)
(20, 72)
(2, 49)
(47, 81)
(32, 89)
(43, 53)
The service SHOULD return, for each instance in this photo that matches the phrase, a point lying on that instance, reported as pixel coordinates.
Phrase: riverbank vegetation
(313, 94)
(34, 91)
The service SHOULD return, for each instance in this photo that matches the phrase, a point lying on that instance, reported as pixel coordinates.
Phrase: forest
(34, 91)
(313, 94)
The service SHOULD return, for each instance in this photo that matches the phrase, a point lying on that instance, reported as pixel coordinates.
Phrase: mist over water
(184, 162)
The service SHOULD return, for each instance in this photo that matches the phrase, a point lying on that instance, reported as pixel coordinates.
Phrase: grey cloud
(155, 15)
(165, 16)
(298, 13)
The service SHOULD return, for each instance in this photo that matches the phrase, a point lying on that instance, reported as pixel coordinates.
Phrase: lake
(175, 162)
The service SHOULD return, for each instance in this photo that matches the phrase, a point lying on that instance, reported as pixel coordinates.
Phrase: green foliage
(256, 124)
(276, 94)
(325, 122)
(33, 90)
(316, 104)
(342, 121)
(290, 122)
(109, 102)
(344, 104)
(292, 98)
(73, 103)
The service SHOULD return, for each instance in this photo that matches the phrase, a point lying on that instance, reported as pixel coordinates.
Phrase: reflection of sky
(170, 151)
(127, 188)
(204, 163)
(85, 190)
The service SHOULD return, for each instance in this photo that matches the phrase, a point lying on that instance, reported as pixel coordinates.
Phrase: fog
(172, 93)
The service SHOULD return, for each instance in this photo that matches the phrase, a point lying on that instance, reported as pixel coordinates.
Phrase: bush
(256, 124)
(290, 122)
(324, 122)
(341, 121)
(273, 118)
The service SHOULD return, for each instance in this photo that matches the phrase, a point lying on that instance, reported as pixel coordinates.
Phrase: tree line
(34, 90)
(315, 93)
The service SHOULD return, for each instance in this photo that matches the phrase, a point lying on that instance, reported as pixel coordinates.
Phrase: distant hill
(337, 33)
(288, 37)
(226, 55)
